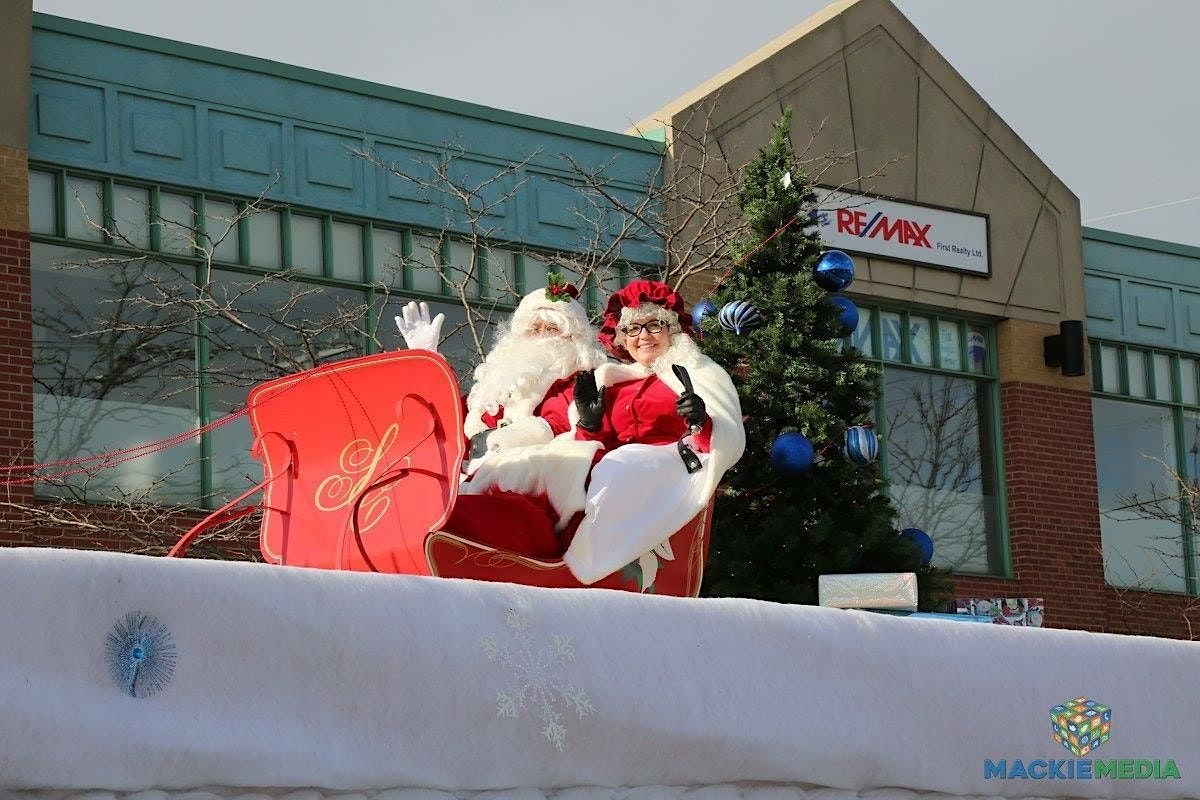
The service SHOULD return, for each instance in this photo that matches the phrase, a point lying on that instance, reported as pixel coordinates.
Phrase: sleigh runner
(362, 462)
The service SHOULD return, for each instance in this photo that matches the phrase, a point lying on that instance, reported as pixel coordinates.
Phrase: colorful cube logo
(1080, 725)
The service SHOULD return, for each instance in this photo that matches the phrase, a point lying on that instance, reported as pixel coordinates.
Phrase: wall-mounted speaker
(1065, 349)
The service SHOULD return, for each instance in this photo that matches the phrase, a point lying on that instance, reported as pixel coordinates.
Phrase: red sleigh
(361, 463)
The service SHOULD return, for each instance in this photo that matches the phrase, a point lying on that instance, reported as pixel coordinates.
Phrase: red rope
(113, 458)
(149, 446)
(757, 247)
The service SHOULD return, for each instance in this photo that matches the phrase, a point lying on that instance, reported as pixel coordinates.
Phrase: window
(221, 231)
(130, 351)
(939, 428)
(536, 268)
(610, 281)
(112, 369)
(387, 252)
(264, 236)
(347, 251)
(85, 209)
(307, 249)
(1146, 420)
(131, 215)
(43, 203)
(176, 224)
(940, 452)
(464, 267)
(423, 264)
(501, 277)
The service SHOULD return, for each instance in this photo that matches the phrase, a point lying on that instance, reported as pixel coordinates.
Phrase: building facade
(987, 447)
(177, 223)
(182, 223)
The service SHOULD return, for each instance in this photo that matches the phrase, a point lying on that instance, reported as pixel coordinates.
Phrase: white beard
(518, 372)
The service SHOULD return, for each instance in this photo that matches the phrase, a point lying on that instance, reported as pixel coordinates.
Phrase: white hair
(647, 312)
(521, 367)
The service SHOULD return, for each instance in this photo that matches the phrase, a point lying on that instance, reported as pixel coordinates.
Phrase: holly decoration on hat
(558, 290)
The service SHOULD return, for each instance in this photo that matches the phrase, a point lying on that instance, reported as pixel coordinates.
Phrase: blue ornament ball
(705, 308)
(834, 271)
(739, 316)
(792, 453)
(847, 313)
(861, 445)
(921, 541)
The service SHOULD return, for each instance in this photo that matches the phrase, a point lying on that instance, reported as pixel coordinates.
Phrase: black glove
(589, 401)
(691, 408)
(479, 444)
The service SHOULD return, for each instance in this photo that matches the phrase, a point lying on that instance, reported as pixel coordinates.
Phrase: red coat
(642, 412)
(553, 408)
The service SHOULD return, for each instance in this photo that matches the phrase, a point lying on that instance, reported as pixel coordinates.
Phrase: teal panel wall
(1142, 291)
(142, 107)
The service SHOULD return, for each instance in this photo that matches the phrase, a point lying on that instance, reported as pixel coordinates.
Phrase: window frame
(1124, 393)
(986, 380)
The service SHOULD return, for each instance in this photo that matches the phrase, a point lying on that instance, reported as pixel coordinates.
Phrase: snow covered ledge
(255, 676)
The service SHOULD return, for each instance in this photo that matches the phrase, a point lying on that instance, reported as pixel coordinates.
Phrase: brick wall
(1054, 522)
(16, 349)
(149, 531)
(16, 337)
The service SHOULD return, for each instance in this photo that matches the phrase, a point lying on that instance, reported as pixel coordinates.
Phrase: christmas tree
(780, 523)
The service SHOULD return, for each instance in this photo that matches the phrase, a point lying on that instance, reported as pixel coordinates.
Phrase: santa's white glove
(522, 433)
(417, 330)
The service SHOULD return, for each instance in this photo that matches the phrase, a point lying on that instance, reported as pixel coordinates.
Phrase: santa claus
(521, 399)
(523, 389)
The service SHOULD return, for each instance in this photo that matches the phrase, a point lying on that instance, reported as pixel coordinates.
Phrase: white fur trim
(525, 431)
(641, 494)
(571, 311)
(557, 469)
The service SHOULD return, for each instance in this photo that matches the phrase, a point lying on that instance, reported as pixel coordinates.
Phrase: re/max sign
(879, 227)
(909, 232)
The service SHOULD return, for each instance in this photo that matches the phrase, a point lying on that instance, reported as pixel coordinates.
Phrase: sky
(1103, 91)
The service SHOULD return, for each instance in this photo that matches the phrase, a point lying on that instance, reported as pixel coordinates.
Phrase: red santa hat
(635, 294)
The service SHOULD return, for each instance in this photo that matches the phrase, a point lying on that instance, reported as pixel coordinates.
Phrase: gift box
(1026, 612)
(1081, 725)
(896, 590)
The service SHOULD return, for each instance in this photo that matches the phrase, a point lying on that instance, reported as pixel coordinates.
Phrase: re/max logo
(857, 223)
(1084, 769)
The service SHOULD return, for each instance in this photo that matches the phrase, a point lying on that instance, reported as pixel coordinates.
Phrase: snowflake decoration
(140, 652)
(538, 681)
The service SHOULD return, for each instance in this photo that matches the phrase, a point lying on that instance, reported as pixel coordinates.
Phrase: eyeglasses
(654, 327)
(541, 328)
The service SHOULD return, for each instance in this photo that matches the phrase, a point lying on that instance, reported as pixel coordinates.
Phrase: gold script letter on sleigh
(359, 464)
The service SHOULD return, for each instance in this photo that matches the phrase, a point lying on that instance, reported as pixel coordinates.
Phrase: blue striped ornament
(861, 445)
(739, 316)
